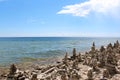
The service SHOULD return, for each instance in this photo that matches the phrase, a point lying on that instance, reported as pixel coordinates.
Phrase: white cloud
(111, 7)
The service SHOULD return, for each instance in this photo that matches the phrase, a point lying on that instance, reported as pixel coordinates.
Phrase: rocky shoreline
(96, 64)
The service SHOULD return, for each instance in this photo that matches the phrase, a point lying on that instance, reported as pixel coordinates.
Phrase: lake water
(14, 49)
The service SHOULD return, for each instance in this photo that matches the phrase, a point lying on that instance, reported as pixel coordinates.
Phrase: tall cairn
(93, 46)
(65, 60)
(92, 52)
(111, 61)
(74, 54)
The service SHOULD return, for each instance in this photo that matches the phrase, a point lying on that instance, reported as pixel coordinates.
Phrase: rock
(64, 76)
(106, 74)
(90, 74)
(34, 77)
(21, 78)
(75, 75)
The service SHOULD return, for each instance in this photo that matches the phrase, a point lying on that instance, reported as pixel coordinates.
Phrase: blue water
(13, 49)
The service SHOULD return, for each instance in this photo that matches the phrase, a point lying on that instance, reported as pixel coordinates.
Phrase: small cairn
(13, 69)
(75, 64)
(90, 74)
(95, 65)
(79, 58)
(106, 74)
(34, 77)
(102, 59)
(12, 72)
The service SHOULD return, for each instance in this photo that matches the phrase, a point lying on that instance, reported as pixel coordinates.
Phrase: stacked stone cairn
(103, 61)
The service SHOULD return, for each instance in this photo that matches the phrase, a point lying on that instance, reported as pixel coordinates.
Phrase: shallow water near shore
(23, 49)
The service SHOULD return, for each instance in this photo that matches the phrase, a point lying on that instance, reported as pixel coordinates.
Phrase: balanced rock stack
(96, 64)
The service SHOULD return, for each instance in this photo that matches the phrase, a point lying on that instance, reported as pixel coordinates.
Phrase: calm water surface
(15, 49)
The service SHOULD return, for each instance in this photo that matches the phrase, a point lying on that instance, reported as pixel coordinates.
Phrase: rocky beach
(96, 64)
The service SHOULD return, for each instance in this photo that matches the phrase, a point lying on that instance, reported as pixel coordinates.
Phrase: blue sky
(74, 18)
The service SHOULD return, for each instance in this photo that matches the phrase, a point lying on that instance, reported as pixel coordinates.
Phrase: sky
(59, 18)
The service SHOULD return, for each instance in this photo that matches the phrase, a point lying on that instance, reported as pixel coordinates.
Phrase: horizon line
(61, 36)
